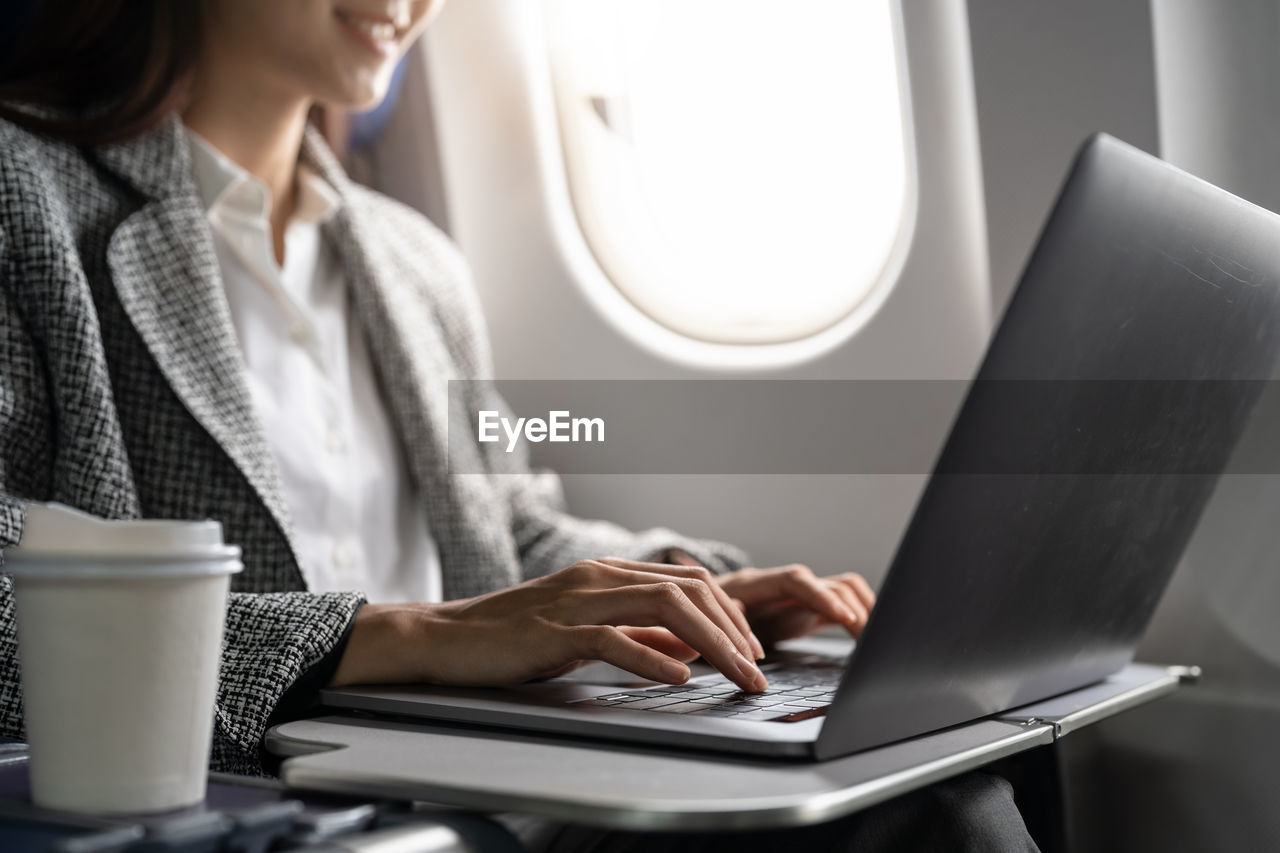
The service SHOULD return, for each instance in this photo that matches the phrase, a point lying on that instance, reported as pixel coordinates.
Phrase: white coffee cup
(119, 637)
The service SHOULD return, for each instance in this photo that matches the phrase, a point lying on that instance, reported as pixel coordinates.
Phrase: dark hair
(99, 71)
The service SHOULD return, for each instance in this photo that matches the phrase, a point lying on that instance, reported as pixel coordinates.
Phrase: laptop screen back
(1139, 340)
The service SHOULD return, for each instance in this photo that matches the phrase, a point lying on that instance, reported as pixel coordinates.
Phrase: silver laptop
(1113, 393)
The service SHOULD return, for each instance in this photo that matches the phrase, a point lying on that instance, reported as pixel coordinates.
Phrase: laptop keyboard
(798, 690)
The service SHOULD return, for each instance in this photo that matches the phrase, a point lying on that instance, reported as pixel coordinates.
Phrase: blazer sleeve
(271, 641)
(21, 399)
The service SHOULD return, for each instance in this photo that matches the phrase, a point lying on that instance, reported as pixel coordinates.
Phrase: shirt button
(298, 333)
(334, 442)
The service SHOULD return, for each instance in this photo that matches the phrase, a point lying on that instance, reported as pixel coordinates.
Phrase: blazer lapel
(165, 271)
(414, 365)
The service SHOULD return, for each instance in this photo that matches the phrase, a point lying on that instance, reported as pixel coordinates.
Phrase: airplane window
(738, 167)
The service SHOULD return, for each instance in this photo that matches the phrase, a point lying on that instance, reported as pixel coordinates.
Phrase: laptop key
(652, 704)
(693, 690)
(606, 700)
(680, 708)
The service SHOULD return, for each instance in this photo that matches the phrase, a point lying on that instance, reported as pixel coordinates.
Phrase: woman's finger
(665, 605)
(850, 601)
(662, 640)
(789, 620)
(612, 645)
(861, 588)
(854, 596)
(677, 557)
(804, 586)
(696, 572)
(700, 587)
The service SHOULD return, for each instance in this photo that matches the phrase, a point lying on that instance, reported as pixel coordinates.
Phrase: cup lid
(56, 531)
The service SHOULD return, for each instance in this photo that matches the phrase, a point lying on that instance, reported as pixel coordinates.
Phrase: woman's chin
(357, 98)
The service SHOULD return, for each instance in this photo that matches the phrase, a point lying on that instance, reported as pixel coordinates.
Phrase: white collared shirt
(357, 523)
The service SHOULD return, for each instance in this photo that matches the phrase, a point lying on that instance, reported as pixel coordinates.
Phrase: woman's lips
(379, 34)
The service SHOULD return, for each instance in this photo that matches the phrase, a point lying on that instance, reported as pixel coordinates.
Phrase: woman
(202, 317)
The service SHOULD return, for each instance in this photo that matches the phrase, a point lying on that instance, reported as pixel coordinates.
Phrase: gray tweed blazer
(122, 392)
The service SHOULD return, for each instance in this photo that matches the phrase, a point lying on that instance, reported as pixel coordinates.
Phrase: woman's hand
(647, 618)
(791, 601)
